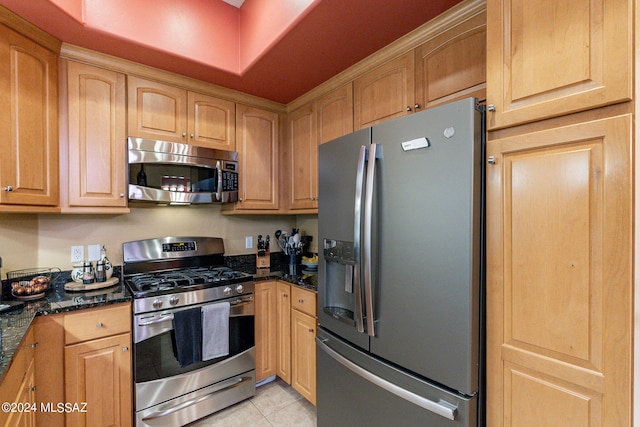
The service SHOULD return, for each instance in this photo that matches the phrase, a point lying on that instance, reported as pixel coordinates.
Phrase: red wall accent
(275, 49)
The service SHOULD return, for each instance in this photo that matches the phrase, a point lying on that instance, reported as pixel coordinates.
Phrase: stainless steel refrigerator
(401, 272)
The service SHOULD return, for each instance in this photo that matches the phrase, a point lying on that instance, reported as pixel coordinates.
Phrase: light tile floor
(275, 404)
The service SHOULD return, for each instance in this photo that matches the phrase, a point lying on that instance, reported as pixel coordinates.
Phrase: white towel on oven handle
(215, 330)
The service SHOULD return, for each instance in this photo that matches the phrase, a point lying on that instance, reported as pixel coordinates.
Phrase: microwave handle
(219, 188)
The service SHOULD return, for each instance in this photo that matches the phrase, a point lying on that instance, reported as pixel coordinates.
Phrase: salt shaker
(101, 274)
(87, 273)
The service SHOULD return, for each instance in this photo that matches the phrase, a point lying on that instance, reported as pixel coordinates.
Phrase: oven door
(158, 375)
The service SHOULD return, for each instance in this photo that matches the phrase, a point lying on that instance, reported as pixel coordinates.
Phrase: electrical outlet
(248, 242)
(93, 252)
(77, 253)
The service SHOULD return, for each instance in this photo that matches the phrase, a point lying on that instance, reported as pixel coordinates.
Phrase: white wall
(45, 240)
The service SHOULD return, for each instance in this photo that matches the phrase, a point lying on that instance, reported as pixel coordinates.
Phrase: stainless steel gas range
(173, 281)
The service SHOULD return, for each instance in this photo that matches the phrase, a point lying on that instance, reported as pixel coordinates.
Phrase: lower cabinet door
(98, 380)
(303, 354)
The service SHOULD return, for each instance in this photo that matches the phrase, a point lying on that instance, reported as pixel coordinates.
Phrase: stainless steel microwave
(180, 174)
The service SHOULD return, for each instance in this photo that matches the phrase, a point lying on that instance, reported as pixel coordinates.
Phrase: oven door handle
(167, 317)
(161, 319)
(223, 386)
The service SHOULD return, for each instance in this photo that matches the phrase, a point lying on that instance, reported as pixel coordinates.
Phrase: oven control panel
(179, 246)
(181, 299)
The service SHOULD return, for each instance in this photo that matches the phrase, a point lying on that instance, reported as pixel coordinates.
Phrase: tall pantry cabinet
(559, 213)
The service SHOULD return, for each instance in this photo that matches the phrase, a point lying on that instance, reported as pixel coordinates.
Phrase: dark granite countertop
(14, 324)
(306, 279)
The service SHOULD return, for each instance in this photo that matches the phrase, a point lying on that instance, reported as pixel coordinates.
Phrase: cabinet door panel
(257, 145)
(335, 114)
(29, 122)
(266, 338)
(559, 276)
(303, 140)
(97, 169)
(284, 332)
(156, 110)
(549, 58)
(212, 122)
(303, 355)
(453, 65)
(384, 93)
(98, 372)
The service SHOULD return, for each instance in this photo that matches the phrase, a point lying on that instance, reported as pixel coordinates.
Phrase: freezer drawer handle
(442, 408)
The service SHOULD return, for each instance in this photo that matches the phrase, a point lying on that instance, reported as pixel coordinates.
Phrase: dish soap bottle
(108, 267)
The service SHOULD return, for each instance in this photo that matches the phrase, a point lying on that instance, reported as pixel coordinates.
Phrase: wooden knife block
(263, 261)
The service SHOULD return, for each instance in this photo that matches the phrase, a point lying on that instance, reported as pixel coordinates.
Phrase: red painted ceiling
(273, 49)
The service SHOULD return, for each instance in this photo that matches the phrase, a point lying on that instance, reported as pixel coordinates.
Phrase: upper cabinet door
(384, 93)
(212, 122)
(29, 168)
(452, 65)
(303, 160)
(257, 146)
(334, 113)
(97, 136)
(547, 58)
(156, 110)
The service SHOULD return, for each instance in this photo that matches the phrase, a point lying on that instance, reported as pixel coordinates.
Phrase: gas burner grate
(165, 280)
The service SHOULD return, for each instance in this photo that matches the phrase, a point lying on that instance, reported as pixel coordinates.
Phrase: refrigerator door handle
(357, 225)
(366, 246)
(442, 408)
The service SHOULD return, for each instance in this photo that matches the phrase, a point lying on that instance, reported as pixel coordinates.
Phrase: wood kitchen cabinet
(447, 67)
(384, 93)
(92, 149)
(290, 328)
(97, 363)
(49, 334)
(283, 309)
(559, 274)
(319, 121)
(266, 329)
(303, 344)
(28, 122)
(169, 113)
(547, 60)
(18, 386)
(452, 65)
(334, 114)
(257, 145)
(302, 156)
(156, 110)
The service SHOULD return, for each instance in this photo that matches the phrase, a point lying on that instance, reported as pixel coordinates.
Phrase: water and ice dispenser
(340, 295)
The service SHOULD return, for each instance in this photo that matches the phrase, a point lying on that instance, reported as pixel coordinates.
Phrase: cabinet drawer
(303, 300)
(97, 323)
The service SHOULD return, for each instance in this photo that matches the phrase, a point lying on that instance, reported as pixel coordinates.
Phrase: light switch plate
(248, 242)
(93, 252)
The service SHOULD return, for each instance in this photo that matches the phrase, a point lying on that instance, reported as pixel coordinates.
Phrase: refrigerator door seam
(442, 408)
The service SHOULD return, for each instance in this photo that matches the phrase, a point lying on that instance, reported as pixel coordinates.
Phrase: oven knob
(157, 303)
(239, 289)
(227, 291)
(174, 300)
